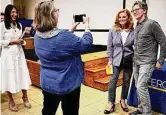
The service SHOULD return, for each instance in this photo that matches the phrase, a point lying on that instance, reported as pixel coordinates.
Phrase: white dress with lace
(14, 73)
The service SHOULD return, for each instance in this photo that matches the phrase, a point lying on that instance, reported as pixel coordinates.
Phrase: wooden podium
(29, 43)
(95, 71)
(34, 71)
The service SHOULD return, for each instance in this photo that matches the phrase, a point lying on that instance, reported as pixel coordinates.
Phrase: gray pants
(127, 72)
(142, 74)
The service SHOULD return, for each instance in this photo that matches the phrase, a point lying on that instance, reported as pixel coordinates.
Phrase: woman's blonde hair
(129, 25)
(44, 17)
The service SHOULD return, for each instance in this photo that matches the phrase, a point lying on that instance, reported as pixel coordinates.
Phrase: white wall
(101, 13)
(157, 12)
(4, 3)
(100, 38)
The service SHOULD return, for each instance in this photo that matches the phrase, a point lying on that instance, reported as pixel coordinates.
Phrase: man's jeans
(142, 74)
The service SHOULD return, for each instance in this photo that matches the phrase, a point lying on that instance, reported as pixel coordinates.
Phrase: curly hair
(129, 25)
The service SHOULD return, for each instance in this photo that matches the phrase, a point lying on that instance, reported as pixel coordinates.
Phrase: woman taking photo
(120, 53)
(59, 54)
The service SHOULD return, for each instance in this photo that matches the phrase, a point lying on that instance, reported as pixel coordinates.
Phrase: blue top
(61, 65)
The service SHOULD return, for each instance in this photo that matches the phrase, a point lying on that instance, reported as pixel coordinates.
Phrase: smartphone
(79, 18)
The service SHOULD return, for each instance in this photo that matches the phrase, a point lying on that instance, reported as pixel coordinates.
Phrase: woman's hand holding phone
(86, 22)
(74, 26)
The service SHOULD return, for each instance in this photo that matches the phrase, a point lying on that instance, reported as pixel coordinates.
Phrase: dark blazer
(115, 48)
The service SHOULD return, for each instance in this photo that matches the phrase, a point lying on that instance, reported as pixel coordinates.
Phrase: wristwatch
(161, 61)
(87, 28)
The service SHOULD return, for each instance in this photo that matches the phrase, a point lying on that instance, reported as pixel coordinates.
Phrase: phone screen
(79, 18)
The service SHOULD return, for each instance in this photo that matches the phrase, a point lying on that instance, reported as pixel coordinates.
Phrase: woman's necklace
(13, 26)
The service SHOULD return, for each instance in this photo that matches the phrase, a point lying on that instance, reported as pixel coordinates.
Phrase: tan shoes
(26, 103)
(12, 106)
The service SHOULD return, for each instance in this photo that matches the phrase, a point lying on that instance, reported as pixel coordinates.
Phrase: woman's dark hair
(8, 19)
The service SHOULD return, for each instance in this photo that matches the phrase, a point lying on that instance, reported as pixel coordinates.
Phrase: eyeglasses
(135, 10)
(57, 10)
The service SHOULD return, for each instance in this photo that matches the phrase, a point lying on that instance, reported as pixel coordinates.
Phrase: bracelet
(70, 30)
(87, 29)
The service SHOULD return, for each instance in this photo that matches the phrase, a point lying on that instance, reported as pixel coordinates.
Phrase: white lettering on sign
(157, 83)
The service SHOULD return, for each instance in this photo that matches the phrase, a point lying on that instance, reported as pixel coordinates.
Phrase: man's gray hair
(142, 4)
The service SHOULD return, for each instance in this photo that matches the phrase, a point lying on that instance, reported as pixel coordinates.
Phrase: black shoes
(124, 109)
(111, 110)
(136, 113)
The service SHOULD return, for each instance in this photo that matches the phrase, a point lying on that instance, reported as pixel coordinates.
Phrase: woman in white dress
(13, 70)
